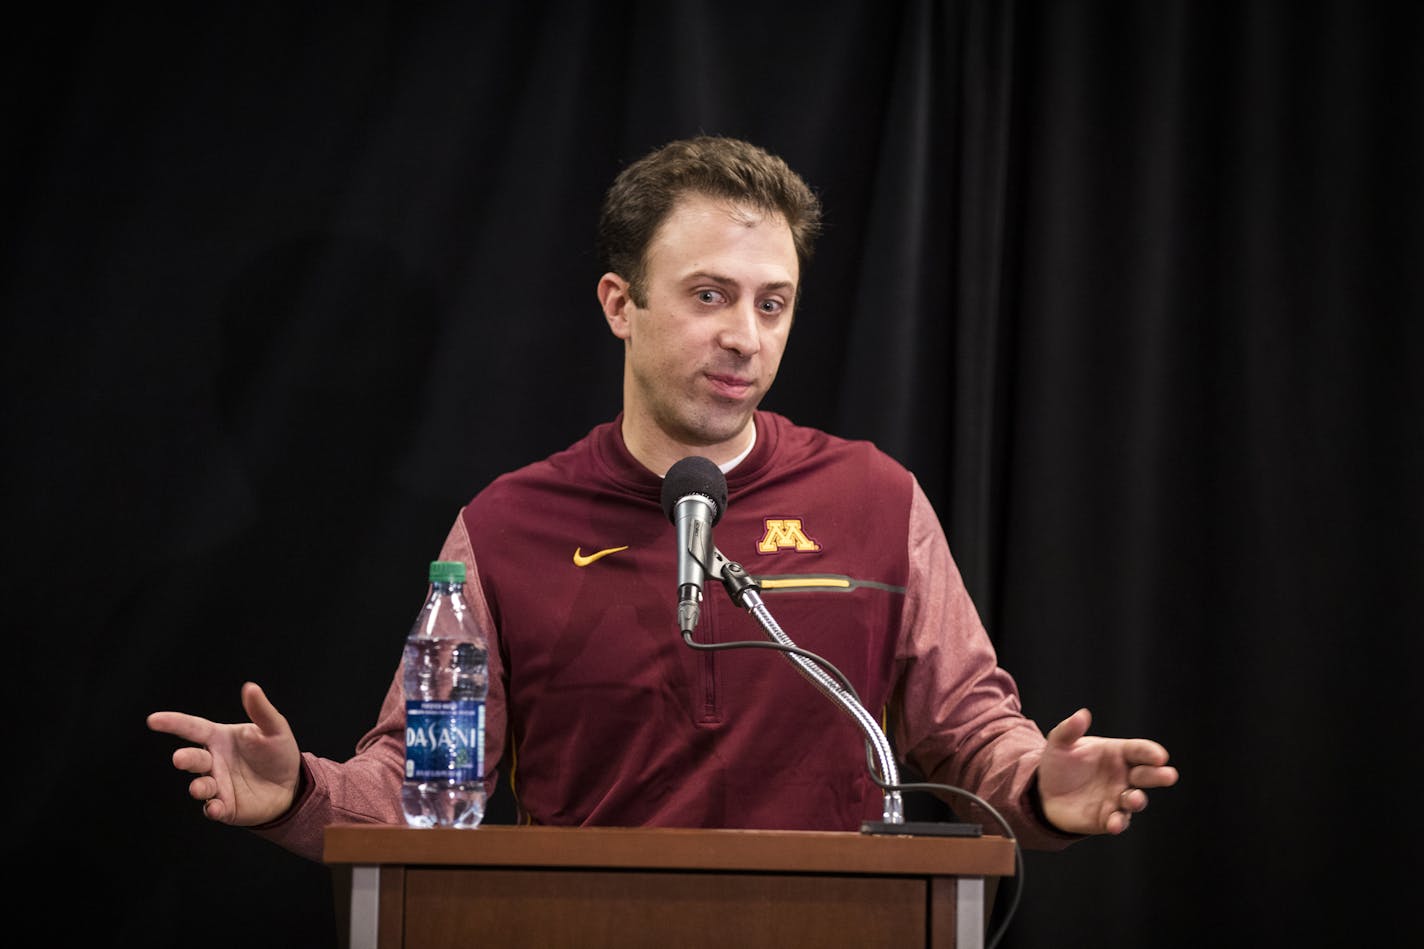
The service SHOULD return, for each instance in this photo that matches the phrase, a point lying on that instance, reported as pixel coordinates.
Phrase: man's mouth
(730, 386)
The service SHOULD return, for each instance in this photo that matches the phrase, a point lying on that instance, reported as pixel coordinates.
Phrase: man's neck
(657, 451)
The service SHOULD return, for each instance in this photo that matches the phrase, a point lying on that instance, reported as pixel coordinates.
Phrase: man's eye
(709, 296)
(772, 307)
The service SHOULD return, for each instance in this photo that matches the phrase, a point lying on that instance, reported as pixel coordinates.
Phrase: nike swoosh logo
(581, 561)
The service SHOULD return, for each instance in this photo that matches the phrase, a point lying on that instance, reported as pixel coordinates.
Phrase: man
(600, 713)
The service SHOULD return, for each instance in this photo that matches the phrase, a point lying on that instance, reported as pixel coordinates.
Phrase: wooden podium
(589, 887)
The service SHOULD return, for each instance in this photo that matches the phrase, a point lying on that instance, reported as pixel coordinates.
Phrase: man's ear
(613, 297)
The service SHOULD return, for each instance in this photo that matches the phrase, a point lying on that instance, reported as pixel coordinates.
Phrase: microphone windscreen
(695, 475)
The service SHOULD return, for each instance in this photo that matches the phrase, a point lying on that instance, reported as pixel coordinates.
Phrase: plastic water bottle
(446, 680)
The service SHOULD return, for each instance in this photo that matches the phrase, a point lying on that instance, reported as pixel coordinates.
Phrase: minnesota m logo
(784, 532)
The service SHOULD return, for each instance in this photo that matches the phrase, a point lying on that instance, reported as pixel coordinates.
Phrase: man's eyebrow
(723, 279)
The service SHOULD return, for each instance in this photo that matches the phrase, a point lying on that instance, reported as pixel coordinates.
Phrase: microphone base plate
(922, 829)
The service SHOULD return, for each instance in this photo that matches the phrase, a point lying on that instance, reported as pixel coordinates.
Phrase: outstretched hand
(247, 772)
(1091, 785)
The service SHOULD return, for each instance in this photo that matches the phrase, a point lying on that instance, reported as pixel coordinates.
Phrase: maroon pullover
(601, 715)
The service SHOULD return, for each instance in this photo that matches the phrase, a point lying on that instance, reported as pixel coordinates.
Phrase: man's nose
(741, 329)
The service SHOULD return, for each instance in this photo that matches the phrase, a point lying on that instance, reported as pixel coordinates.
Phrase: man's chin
(719, 428)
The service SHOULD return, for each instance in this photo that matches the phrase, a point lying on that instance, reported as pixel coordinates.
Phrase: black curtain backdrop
(1134, 288)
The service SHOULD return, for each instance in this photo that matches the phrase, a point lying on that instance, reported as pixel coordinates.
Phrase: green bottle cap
(447, 571)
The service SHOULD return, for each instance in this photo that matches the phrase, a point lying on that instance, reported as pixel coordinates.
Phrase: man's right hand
(248, 772)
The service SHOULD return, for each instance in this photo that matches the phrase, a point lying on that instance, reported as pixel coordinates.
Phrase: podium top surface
(666, 848)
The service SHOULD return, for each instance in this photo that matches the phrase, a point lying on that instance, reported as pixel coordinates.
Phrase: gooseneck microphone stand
(743, 589)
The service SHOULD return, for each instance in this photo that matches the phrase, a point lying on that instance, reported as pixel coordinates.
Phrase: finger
(1150, 776)
(261, 710)
(1144, 751)
(203, 788)
(1133, 801)
(188, 727)
(193, 760)
(1072, 728)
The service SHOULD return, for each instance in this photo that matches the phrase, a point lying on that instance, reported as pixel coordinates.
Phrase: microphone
(694, 497)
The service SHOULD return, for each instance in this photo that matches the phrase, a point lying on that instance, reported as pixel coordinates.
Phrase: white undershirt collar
(726, 468)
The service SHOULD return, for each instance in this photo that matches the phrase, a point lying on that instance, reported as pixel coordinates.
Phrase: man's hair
(644, 193)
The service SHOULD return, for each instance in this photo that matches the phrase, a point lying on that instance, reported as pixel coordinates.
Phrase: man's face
(719, 290)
